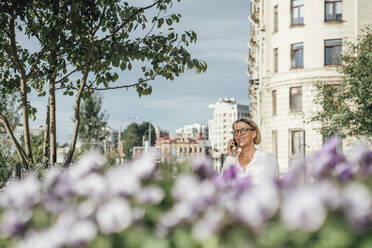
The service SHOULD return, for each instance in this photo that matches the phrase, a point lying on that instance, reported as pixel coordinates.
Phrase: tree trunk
(46, 139)
(52, 92)
(21, 153)
(71, 151)
(52, 124)
(24, 101)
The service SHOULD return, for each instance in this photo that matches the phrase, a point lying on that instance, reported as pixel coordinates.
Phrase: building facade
(225, 112)
(293, 44)
(179, 148)
(193, 131)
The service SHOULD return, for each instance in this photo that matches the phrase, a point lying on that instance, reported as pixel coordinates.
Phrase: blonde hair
(252, 124)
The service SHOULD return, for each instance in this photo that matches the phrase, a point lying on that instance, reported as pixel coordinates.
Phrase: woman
(242, 153)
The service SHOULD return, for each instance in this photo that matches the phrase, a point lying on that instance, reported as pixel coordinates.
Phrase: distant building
(193, 131)
(179, 148)
(225, 112)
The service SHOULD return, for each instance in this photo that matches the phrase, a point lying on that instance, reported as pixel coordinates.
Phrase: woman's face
(243, 133)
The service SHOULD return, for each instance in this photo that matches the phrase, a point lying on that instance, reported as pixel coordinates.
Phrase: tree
(80, 47)
(135, 134)
(347, 107)
(93, 123)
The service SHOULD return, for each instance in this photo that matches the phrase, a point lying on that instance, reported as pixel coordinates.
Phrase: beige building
(293, 44)
(179, 148)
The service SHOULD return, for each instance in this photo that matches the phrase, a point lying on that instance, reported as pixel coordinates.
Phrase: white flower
(86, 209)
(122, 181)
(92, 185)
(303, 208)
(137, 214)
(259, 204)
(180, 211)
(51, 177)
(208, 223)
(43, 239)
(89, 162)
(186, 188)
(21, 194)
(267, 196)
(82, 232)
(150, 195)
(144, 166)
(356, 200)
(249, 210)
(114, 216)
(329, 194)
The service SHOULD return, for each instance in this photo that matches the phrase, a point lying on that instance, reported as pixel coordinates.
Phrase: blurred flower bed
(89, 205)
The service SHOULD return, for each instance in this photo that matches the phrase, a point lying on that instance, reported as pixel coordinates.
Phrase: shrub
(89, 205)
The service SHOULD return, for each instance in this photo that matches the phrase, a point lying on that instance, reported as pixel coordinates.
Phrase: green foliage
(80, 45)
(93, 123)
(347, 107)
(135, 134)
(7, 161)
(111, 158)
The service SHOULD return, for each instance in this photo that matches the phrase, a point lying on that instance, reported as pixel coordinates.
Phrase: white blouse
(262, 165)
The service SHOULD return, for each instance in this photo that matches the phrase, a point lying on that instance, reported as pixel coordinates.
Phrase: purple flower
(243, 183)
(366, 162)
(321, 164)
(14, 222)
(344, 171)
(203, 167)
(230, 173)
(291, 177)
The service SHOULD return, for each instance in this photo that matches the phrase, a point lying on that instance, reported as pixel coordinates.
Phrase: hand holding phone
(232, 148)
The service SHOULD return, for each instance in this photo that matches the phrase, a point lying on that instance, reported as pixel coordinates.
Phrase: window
(297, 142)
(332, 51)
(275, 26)
(275, 143)
(297, 12)
(297, 55)
(295, 99)
(273, 96)
(333, 10)
(276, 60)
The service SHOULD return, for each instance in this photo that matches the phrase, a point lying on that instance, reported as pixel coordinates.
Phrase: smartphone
(235, 144)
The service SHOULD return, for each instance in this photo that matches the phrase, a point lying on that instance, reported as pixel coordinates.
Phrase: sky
(223, 32)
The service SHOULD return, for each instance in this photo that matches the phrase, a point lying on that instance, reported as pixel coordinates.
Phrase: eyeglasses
(242, 131)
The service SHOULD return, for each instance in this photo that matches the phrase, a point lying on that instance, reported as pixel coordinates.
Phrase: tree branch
(123, 86)
(126, 21)
(69, 74)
